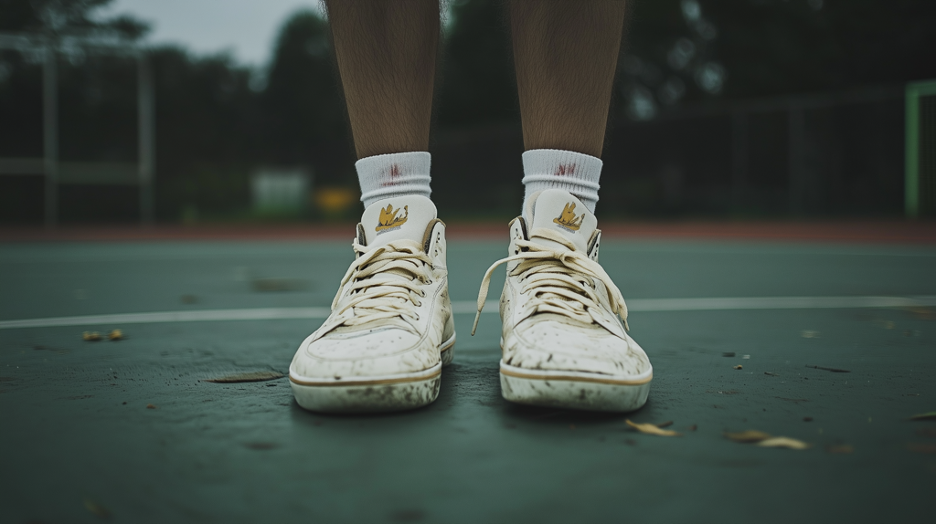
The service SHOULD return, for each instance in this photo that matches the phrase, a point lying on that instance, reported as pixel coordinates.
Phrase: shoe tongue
(561, 212)
(397, 218)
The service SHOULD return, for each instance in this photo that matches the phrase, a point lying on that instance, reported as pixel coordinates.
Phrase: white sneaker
(391, 328)
(563, 343)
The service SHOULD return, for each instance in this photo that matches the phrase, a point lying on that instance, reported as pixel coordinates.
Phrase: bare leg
(565, 52)
(386, 58)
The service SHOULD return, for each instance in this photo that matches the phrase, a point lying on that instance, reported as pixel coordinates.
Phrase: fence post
(739, 156)
(50, 131)
(795, 129)
(146, 134)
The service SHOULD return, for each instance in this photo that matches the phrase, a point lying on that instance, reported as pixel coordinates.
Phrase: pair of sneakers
(564, 340)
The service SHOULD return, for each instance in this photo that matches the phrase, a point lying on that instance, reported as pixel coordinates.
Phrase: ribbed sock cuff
(576, 173)
(396, 174)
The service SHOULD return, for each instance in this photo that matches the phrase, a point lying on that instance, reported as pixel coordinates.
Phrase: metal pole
(147, 134)
(739, 156)
(50, 132)
(795, 125)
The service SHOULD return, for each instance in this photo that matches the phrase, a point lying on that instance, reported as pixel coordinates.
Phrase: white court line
(468, 307)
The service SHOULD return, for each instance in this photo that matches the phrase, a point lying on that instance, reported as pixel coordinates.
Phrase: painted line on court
(468, 307)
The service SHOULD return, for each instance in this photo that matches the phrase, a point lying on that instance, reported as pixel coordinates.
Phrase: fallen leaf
(252, 376)
(748, 436)
(783, 442)
(739, 366)
(150, 406)
(115, 335)
(924, 416)
(91, 336)
(97, 509)
(923, 313)
(840, 449)
(833, 370)
(922, 448)
(650, 429)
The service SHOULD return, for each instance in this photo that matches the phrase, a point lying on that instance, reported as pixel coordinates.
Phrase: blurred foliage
(218, 120)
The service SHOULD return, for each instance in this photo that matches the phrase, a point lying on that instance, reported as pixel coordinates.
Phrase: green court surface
(79, 444)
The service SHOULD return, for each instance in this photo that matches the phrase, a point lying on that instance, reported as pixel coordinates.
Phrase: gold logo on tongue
(388, 218)
(567, 218)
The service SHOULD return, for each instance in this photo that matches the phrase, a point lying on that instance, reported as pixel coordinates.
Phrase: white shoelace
(559, 279)
(384, 281)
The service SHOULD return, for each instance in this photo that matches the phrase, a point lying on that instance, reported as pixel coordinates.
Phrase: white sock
(576, 173)
(396, 174)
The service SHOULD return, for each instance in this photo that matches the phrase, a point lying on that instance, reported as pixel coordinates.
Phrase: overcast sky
(245, 28)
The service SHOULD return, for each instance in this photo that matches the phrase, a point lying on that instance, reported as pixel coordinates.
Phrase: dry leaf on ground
(150, 406)
(748, 436)
(650, 429)
(97, 509)
(924, 416)
(115, 335)
(739, 366)
(252, 376)
(783, 442)
(91, 336)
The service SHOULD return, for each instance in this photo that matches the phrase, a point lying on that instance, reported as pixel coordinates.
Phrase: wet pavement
(132, 431)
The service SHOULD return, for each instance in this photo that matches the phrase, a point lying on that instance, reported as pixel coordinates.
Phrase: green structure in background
(921, 148)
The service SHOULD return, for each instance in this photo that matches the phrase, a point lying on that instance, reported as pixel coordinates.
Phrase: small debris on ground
(151, 406)
(251, 376)
(115, 334)
(771, 374)
(809, 333)
(91, 336)
(765, 440)
(728, 354)
(750, 435)
(97, 509)
(922, 448)
(739, 366)
(923, 313)
(840, 449)
(693, 427)
(783, 442)
(807, 419)
(833, 370)
(651, 429)
(188, 299)
(924, 416)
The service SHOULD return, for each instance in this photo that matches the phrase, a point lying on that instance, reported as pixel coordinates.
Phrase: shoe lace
(559, 280)
(384, 280)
